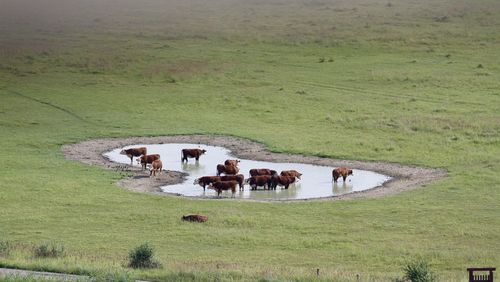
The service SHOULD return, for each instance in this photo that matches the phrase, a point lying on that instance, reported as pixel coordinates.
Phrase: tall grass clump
(4, 248)
(419, 271)
(113, 276)
(143, 257)
(49, 250)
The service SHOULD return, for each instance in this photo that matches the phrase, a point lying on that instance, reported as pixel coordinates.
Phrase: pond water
(315, 182)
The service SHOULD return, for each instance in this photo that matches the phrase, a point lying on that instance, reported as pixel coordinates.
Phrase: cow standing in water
(206, 180)
(240, 178)
(261, 171)
(259, 181)
(281, 180)
(220, 186)
(191, 153)
(293, 173)
(134, 152)
(227, 169)
(232, 162)
(341, 171)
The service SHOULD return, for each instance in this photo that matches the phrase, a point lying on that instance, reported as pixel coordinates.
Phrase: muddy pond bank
(90, 152)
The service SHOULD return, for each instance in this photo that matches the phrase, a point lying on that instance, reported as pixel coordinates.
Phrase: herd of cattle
(227, 177)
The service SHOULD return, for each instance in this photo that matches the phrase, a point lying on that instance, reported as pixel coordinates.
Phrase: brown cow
(232, 162)
(293, 173)
(147, 159)
(206, 180)
(259, 181)
(262, 171)
(282, 181)
(195, 218)
(227, 169)
(239, 177)
(134, 152)
(220, 186)
(156, 166)
(191, 153)
(341, 171)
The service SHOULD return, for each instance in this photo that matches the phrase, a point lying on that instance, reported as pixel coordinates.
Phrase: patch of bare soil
(404, 178)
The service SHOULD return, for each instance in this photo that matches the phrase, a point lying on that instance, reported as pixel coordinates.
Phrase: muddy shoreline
(404, 178)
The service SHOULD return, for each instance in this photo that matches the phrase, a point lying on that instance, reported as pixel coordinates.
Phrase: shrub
(49, 249)
(4, 248)
(142, 257)
(419, 271)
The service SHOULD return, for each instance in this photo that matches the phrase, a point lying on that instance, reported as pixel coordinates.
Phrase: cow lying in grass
(195, 218)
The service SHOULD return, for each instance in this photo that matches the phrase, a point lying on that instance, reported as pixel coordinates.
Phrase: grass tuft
(49, 249)
(419, 271)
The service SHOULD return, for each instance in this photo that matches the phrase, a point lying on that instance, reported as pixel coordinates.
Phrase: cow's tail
(182, 156)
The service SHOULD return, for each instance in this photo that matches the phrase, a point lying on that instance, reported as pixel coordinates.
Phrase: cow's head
(139, 160)
(203, 151)
(273, 172)
(122, 152)
(349, 172)
(196, 181)
(247, 181)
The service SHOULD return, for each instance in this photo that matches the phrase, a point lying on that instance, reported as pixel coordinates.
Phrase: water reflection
(316, 181)
(192, 167)
(340, 189)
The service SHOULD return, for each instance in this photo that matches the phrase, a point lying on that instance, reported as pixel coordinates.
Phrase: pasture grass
(409, 83)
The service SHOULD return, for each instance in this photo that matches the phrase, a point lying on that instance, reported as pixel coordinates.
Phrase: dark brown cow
(191, 153)
(147, 159)
(282, 181)
(259, 181)
(195, 218)
(156, 166)
(220, 186)
(227, 169)
(232, 162)
(239, 177)
(293, 173)
(341, 171)
(206, 180)
(262, 171)
(134, 152)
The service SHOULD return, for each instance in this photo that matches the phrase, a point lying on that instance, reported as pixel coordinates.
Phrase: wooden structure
(481, 277)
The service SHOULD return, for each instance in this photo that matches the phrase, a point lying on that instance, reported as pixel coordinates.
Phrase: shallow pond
(316, 181)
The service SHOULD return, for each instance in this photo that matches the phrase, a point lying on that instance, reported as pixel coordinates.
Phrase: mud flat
(402, 178)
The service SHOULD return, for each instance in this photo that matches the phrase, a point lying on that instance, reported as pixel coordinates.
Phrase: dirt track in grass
(90, 152)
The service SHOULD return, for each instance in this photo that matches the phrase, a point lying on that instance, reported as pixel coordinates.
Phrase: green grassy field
(401, 81)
